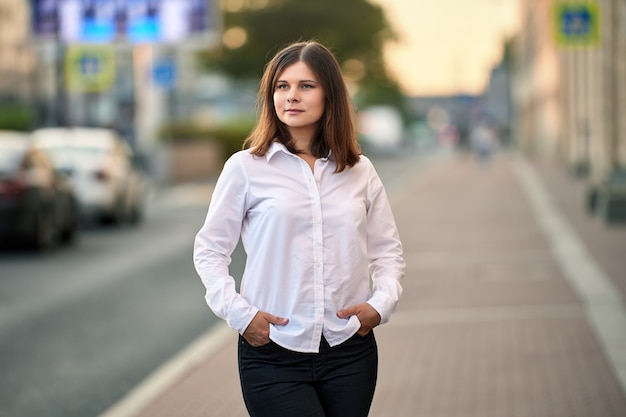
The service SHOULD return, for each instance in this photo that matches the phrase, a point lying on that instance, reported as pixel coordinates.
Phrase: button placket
(318, 253)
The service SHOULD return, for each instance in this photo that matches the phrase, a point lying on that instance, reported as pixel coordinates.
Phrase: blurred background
(117, 115)
(171, 74)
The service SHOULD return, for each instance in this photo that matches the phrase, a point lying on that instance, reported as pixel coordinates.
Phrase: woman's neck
(302, 139)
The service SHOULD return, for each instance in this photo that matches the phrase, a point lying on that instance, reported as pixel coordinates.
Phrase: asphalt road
(81, 326)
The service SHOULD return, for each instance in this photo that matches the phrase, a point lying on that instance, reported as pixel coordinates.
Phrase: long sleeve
(385, 257)
(215, 243)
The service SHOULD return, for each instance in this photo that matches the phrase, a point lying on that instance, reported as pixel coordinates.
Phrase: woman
(324, 259)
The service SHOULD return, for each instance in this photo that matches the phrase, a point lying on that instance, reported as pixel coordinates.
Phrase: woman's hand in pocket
(366, 314)
(258, 331)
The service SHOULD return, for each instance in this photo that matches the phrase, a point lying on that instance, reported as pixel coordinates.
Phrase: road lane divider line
(168, 374)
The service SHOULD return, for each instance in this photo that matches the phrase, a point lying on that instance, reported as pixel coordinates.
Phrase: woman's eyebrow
(301, 81)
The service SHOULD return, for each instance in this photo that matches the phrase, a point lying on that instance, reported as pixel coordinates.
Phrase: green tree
(355, 30)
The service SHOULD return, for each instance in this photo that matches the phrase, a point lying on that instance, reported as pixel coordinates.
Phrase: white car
(100, 163)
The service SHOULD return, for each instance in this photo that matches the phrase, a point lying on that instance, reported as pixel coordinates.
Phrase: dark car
(38, 208)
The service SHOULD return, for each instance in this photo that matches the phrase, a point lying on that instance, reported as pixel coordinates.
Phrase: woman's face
(299, 98)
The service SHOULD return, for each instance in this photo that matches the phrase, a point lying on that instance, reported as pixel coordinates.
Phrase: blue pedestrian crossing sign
(576, 23)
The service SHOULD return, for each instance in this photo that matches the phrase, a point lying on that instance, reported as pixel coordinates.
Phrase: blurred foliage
(229, 135)
(352, 29)
(507, 53)
(15, 116)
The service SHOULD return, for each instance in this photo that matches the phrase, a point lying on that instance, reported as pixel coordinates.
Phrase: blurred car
(37, 205)
(381, 129)
(101, 165)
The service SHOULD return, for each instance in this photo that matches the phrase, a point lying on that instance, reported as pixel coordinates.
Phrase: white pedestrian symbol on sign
(90, 65)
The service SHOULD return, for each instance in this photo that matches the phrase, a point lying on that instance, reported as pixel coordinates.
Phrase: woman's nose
(291, 98)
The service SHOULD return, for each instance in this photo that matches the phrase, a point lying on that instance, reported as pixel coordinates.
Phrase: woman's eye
(308, 86)
(281, 86)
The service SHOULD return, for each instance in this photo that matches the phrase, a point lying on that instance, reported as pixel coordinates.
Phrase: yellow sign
(576, 23)
(89, 68)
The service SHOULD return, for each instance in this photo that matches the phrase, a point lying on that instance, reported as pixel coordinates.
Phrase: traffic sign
(576, 23)
(164, 73)
(89, 68)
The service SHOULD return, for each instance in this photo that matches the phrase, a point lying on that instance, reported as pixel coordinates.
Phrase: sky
(447, 46)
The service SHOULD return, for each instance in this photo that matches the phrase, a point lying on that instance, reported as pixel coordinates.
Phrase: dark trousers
(336, 382)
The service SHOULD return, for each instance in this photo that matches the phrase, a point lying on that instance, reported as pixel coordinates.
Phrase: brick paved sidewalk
(489, 325)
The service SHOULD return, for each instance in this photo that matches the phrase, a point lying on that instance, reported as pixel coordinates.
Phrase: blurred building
(569, 84)
(498, 100)
(16, 55)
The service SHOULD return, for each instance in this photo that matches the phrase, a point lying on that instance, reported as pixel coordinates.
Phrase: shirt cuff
(240, 319)
(383, 304)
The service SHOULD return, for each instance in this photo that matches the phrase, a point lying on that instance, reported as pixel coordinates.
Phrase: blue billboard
(134, 21)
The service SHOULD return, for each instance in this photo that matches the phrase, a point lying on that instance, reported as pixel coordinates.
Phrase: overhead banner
(576, 23)
(134, 21)
(89, 68)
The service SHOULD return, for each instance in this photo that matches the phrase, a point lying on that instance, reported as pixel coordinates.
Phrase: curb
(164, 377)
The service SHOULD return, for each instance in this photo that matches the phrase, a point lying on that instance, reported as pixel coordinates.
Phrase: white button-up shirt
(316, 242)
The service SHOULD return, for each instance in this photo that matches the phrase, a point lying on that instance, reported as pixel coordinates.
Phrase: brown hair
(336, 128)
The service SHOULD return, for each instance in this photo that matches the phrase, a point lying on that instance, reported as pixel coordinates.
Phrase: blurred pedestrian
(324, 260)
(483, 139)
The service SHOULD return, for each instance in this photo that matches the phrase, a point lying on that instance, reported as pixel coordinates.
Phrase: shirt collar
(278, 146)
(274, 148)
